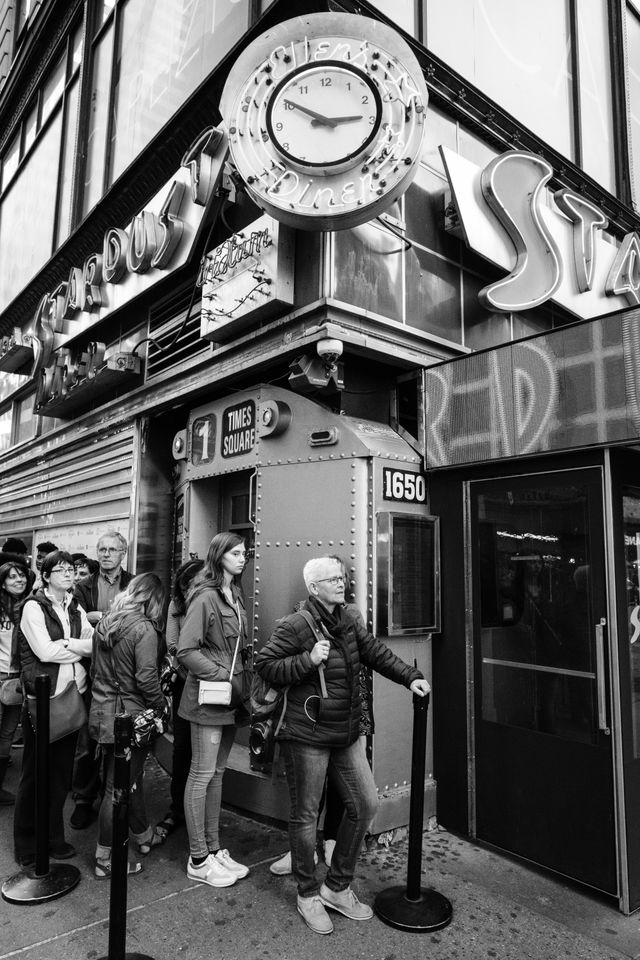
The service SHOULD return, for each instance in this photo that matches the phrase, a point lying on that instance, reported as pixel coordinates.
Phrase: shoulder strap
(235, 653)
(319, 636)
(116, 682)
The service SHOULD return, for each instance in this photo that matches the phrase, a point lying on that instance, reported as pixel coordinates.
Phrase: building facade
(427, 365)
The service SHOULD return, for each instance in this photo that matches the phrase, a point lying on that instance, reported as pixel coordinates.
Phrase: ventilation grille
(165, 319)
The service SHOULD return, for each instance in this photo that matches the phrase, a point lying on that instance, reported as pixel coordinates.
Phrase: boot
(6, 798)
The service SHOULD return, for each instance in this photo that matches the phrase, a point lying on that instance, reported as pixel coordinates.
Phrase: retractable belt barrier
(42, 881)
(122, 734)
(412, 909)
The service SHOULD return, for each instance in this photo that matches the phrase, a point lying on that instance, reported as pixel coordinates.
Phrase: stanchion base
(26, 888)
(431, 912)
(131, 956)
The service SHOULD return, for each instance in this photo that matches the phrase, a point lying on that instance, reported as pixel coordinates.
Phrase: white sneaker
(237, 869)
(282, 867)
(211, 872)
(329, 847)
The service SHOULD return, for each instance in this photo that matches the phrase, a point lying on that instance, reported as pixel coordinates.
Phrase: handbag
(148, 724)
(11, 692)
(169, 676)
(219, 692)
(67, 712)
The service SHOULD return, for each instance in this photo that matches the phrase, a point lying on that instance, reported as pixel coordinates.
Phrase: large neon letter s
(511, 185)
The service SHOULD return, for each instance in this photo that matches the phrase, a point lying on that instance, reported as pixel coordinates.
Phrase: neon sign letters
(552, 245)
(130, 261)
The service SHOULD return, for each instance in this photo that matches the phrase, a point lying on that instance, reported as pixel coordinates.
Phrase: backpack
(264, 698)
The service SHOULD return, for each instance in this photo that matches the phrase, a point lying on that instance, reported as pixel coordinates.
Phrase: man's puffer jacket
(286, 660)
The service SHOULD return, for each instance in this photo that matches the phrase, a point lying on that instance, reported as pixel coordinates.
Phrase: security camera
(329, 351)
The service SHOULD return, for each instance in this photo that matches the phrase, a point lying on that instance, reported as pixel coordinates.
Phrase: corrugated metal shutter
(73, 485)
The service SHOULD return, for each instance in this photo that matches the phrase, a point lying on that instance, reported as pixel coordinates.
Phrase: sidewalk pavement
(502, 909)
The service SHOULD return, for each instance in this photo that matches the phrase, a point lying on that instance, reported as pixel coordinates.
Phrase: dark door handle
(601, 678)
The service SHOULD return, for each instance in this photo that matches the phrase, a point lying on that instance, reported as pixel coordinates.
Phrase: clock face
(324, 117)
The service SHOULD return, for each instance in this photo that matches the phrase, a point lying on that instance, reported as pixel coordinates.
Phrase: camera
(261, 744)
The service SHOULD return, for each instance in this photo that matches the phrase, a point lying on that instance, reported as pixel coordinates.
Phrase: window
(633, 93)
(401, 12)
(37, 166)
(408, 573)
(148, 59)
(547, 63)
(596, 119)
(428, 281)
(25, 8)
(509, 51)
(17, 420)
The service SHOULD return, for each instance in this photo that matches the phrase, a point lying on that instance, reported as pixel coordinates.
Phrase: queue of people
(104, 634)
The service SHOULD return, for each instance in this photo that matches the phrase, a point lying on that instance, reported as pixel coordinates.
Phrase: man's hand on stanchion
(420, 687)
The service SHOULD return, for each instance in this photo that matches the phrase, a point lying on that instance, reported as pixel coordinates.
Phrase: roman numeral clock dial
(326, 117)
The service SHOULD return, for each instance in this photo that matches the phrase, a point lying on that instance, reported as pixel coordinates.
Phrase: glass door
(626, 525)
(543, 757)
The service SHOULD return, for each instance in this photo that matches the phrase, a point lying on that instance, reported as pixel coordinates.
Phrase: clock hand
(346, 119)
(317, 117)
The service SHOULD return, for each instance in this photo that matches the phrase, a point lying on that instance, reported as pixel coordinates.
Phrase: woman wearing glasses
(215, 624)
(53, 636)
(15, 585)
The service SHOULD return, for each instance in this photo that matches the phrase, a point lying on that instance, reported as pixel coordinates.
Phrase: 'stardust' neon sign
(552, 245)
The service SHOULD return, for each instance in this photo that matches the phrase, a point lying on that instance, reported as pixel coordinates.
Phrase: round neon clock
(325, 116)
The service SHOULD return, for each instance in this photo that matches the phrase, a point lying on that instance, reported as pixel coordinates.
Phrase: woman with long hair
(15, 586)
(214, 625)
(181, 752)
(124, 674)
(54, 635)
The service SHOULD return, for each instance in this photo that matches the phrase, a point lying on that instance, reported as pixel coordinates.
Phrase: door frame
(556, 466)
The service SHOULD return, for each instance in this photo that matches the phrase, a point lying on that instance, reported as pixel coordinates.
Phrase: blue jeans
(138, 820)
(306, 766)
(210, 747)
(181, 753)
(9, 720)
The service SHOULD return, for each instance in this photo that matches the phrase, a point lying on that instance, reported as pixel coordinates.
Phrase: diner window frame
(12, 403)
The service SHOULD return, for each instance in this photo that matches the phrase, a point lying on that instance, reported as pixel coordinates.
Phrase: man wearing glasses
(95, 594)
(320, 733)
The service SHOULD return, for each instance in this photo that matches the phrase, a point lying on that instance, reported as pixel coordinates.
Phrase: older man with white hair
(320, 663)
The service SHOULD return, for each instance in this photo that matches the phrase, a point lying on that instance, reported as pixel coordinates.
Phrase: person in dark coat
(125, 678)
(96, 594)
(320, 733)
(15, 586)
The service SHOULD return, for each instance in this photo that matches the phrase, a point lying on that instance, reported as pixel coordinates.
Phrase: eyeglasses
(67, 570)
(334, 581)
(110, 550)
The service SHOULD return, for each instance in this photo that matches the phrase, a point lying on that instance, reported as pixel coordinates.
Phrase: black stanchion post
(413, 909)
(43, 692)
(122, 733)
(44, 881)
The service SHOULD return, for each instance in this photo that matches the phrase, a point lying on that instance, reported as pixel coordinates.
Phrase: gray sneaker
(346, 902)
(314, 914)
